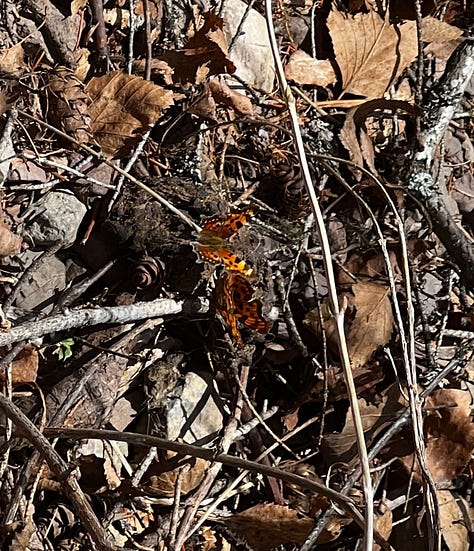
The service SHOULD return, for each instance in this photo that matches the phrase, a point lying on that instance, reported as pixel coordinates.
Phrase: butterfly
(212, 244)
(233, 300)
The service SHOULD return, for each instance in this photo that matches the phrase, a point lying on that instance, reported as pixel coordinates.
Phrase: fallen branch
(440, 106)
(95, 316)
(236, 462)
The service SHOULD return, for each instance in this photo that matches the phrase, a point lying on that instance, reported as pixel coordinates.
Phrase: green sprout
(64, 349)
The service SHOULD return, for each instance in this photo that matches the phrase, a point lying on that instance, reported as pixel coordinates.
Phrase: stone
(54, 217)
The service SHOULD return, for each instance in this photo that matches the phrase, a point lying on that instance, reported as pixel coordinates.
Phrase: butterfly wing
(223, 256)
(225, 226)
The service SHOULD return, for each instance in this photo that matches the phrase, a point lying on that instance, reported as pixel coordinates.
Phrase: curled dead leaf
(206, 53)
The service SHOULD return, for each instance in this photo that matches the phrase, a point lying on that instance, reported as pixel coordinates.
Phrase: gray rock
(194, 415)
(251, 52)
(55, 217)
(41, 289)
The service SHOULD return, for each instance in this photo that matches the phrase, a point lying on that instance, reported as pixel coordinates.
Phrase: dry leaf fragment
(123, 107)
(205, 54)
(11, 61)
(434, 30)
(10, 243)
(268, 525)
(370, 52)
(304, 69)
(24, 367)
(452, 523)
(449, 433)
(226, 96)
(373, 322)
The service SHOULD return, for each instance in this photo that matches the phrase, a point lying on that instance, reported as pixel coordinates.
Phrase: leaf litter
(118, 144)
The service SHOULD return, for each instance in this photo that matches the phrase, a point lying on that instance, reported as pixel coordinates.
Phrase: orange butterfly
(212, 243)
(233, 300)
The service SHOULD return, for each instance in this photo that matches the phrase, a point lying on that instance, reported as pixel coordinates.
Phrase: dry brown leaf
(354, 136)
(24, 367)
(268, 525)
(163, 484)
(123, 108)
(226, 96)
(161, 72)
(205, 54)
(11, 61)
(304, 69)
(373, 322)
(375, 417)
(449, 433)
(9, 242)
(383, 525)
(452, 523)
(449, 436)
(370, 52)
(434, 30)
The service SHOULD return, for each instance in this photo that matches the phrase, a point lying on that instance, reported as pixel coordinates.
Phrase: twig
(97, 9)
(128, 166)
(61, 166)
(61, 38)
(146, 13)
(440, 106)
(288, 315)
(239, 32)
(70, 295)
(337, 312)
(95, 316)
(187, 449)
(61, 470)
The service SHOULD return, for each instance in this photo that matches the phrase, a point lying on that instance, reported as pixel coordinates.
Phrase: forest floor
(237, 275)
